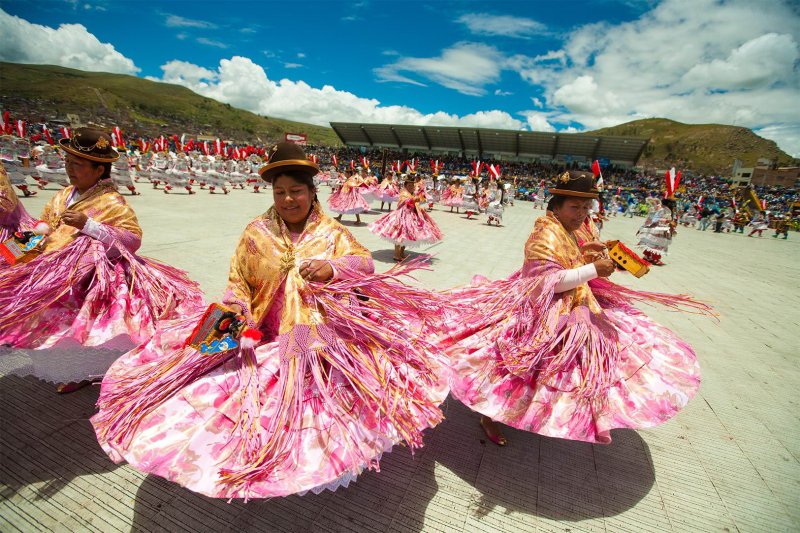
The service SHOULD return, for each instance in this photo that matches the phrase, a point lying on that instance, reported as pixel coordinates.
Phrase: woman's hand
(594, 250)
(604, 267)
(316, 270)
(235, 308)
(75, 219)
(593, 246)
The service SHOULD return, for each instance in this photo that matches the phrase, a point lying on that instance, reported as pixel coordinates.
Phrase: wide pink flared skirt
(657, 376)
(347, 203)
(405, 226)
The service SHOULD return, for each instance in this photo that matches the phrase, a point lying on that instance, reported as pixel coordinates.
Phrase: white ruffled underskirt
(344, 480)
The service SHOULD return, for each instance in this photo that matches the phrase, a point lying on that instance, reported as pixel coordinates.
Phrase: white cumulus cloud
(69, 45)
(183, 73)
(244, 84)
(758, 62)
(538, 121)
(695, 61)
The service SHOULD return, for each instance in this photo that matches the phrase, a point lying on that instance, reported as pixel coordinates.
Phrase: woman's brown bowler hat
(575, 183)
(285, 157)
(91, 144)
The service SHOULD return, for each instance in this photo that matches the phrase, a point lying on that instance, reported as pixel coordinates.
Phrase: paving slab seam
(779, 500)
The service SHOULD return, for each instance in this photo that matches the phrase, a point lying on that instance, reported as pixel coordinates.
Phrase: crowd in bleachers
(631, 185)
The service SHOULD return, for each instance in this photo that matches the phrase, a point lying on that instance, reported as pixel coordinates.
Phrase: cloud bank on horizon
(694, 61)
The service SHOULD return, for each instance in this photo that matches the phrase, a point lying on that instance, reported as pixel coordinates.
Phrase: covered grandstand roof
(482, 141)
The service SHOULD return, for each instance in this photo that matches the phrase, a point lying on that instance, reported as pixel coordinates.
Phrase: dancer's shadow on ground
(459, 480)
(387, 256)
(46, 438)
(353, 223)
(531, 478)
(555, 479)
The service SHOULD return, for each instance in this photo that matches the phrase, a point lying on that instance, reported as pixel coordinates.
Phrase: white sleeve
(96, 230)
(576, 276)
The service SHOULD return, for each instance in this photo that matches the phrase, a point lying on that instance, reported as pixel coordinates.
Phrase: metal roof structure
(482, 142)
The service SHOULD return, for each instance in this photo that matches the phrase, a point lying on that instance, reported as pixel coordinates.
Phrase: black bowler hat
(575, 183)
(91, 144)
(284, 157)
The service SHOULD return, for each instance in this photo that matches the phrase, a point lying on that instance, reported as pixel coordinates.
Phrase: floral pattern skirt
(657, 376)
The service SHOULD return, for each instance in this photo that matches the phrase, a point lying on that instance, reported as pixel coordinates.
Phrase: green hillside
(706, 148)
(136, 104)
(44, 92)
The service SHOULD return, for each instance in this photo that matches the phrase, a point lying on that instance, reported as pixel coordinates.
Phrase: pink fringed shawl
(538, 333)
(356, 324)
(82, 268)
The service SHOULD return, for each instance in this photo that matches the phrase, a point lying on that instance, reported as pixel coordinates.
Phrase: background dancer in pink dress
(409, 224)
(347, 200)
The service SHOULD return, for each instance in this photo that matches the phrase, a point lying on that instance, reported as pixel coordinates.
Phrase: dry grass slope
(141, 105)
(153, 108)
(707, 148)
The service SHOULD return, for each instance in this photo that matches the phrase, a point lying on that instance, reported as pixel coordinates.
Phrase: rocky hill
(46, 93)
(704, 148)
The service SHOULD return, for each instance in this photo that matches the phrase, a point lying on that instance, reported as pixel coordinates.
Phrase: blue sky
(568, 65)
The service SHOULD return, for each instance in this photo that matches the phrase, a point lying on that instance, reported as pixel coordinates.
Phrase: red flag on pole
(672, 180)
(116, 134)
(596, 169)
(476, 168)
(598, 174)
(46, 133)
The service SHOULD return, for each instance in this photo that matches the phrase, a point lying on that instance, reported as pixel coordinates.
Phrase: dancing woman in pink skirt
(408, 225)
(348, 199)
(327, 374)
(557, 349)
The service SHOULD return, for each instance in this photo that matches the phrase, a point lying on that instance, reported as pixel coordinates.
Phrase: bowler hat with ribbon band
(575, 183)
(91, 144)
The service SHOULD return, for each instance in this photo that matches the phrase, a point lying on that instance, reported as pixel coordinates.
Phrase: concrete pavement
(729, 462)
